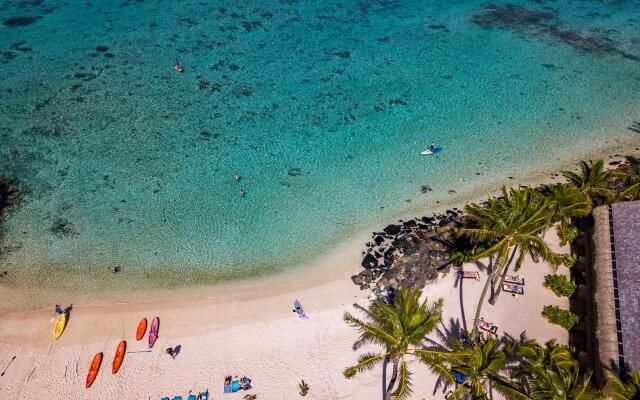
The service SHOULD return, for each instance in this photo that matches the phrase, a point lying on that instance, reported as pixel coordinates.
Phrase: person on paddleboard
(433, 146)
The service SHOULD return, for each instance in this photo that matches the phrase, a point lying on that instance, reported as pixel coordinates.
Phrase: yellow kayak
(58, 328)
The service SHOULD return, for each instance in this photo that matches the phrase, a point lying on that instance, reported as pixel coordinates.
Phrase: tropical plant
(511, 224)
(629, 174)
(560, 285)
(619, 390)
(304, 388)
(592, 182)
(480, 371)
(552, 373)
(459, 257)
(400, 328)
(560, 316)
(569, 260)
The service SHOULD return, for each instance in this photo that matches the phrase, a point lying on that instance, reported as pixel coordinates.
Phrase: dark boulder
(410, 224)
(378, 240)
(392, 229)
(357, 279)
(369, 261)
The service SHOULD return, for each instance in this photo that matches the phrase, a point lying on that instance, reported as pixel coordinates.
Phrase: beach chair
(469, 275)
(205, 395)
(191, 397)
(515, 279)
(513, 288)
(488, 326)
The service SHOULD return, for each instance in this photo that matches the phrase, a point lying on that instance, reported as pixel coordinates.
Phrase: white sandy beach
(252, 332)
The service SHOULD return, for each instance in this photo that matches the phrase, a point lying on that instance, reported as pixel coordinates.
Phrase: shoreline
(246, 328)
(343, 260)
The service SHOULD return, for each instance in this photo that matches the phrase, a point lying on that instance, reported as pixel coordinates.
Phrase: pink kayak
(153, 331)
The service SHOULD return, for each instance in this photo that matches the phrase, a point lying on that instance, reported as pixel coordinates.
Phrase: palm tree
(481, 369)
(552, 373)
(510, 225)
(400, 328)
(619, 390)
(592, 182)
(565, 202)
(629, 174)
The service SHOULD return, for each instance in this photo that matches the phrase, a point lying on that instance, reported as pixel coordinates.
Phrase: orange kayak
(142, 329)
(117, 360)
(93, 371)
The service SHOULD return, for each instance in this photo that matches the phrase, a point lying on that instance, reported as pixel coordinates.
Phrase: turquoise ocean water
(322, 107)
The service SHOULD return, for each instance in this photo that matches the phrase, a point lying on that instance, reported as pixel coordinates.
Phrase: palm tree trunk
(496, 293)
(394, 376)
(384, 377)
(487, 284)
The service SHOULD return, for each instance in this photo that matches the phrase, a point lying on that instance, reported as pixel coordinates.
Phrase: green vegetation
(508, 226)
(304, 388)
(459, 257)
(517, 369)
(569, 260)
(619, 390)
(560, 316)
(552, 372)
(592, 182)
(560, 285)
(400, 328)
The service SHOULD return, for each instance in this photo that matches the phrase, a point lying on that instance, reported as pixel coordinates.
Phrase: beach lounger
(191, 397)
(512, 288)
(469, 275)
(177, 398)
(487, 326)
(515, 279)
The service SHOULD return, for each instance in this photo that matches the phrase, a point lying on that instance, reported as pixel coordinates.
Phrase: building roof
(626, 238)
(617, 268)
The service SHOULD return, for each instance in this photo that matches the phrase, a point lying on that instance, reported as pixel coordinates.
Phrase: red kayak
(153, 331)
(142, 329)
(117, 360)
(93, 370)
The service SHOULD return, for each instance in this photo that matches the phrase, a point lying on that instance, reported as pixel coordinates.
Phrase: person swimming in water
(179, 69)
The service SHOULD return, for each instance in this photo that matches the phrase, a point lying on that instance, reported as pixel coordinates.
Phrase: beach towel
(234, 387)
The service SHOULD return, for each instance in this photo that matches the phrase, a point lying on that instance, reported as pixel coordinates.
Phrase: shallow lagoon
(322, 107)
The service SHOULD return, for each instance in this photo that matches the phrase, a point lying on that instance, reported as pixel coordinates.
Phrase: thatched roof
(617, 273)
